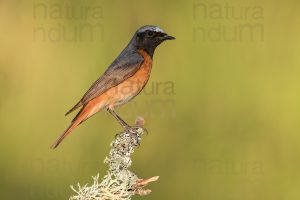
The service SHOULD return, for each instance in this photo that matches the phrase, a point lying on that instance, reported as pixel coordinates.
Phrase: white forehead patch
(157, 29)
(152, 28)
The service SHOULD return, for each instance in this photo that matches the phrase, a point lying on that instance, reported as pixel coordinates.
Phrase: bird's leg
(127, 128)
(120, 120)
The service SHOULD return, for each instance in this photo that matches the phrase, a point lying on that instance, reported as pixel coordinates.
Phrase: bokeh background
(222, 105)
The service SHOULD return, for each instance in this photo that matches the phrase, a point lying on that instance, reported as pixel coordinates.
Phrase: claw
(131, 129)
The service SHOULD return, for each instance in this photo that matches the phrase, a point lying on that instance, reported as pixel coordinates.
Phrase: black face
(149, 37)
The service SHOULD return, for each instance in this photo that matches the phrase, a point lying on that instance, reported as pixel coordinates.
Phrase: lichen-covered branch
(119, 183)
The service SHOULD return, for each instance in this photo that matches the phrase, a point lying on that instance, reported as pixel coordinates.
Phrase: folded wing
(125, 66)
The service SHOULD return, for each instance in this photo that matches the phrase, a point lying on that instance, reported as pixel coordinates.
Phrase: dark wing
(127, 63)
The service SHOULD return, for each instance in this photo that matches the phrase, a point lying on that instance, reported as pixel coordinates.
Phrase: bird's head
(149, 37)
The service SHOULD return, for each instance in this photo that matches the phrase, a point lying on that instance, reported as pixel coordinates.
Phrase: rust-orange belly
(126, 90)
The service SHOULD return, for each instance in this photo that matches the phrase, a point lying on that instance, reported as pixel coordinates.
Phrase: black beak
(168, 37)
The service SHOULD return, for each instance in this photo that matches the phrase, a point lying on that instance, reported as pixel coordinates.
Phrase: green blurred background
(222, 105)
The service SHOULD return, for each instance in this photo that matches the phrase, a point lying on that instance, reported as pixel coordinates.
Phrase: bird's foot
(135, 130)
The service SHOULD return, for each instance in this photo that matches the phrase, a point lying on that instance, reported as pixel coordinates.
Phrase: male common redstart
(122, 81)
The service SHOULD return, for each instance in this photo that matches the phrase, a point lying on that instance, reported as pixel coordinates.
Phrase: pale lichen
(119, 183)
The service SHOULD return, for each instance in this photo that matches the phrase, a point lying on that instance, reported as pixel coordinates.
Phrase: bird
(124, 79)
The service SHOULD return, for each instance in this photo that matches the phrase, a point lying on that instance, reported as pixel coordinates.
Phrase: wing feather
(125, 66)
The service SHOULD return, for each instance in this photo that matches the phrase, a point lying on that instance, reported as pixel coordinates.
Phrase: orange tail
(86, 112)
(81, 116)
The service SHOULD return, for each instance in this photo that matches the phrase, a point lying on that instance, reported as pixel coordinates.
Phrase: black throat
(149, 50)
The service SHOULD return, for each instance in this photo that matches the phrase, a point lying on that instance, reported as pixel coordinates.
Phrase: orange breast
(126, 90)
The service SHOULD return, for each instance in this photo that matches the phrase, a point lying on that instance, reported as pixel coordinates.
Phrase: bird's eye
(150, 33)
